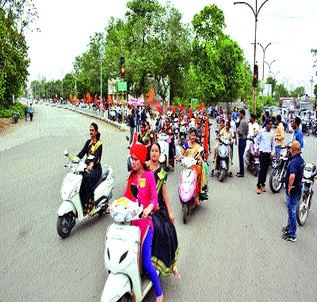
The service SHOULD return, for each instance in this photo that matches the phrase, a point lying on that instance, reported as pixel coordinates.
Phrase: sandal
(176, 273)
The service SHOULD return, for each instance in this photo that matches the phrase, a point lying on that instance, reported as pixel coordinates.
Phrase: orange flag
(150, 96)
(206, 139)
(190, 113)
(200, 106)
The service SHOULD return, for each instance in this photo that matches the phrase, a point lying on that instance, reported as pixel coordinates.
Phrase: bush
(17, 107)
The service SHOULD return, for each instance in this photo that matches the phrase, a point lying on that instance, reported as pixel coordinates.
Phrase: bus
(288, 103)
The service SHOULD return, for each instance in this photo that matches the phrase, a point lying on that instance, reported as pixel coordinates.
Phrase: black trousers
(265, 161)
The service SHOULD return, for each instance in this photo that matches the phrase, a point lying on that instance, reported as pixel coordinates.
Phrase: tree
(218, 61)
(15, 19)
(298, 92)
(87, 68)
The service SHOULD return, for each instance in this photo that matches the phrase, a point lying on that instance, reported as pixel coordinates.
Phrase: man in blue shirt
(293, 186)
(297, 134)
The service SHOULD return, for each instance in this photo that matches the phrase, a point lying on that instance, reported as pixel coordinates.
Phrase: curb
(121, 127)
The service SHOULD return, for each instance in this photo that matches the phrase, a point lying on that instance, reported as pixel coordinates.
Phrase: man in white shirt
(252, 133)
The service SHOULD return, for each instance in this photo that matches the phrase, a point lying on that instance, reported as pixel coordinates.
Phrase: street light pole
(269, 65)
(256, 12)
(264, 50)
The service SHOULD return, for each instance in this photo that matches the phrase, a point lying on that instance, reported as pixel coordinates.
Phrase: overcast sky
(290, 26)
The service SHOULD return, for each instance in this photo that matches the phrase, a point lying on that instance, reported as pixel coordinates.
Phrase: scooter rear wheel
(256, 170)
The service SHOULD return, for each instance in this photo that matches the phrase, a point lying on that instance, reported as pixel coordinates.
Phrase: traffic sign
(122, 86)
(194, 103)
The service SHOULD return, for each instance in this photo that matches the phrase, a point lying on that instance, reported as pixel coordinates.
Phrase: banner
(135, 102)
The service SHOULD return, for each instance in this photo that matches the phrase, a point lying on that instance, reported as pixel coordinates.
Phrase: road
(231, 249)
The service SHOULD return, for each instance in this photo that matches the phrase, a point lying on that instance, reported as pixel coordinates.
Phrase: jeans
(278, 151)
(241, 148)
(147, 262)
(291, 201)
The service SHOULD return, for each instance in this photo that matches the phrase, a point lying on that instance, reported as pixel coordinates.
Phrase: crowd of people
(158, 234)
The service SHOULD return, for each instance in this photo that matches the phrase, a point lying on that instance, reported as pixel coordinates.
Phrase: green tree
(219, 62)
(298, 92)
(89, 68)
(15, 19)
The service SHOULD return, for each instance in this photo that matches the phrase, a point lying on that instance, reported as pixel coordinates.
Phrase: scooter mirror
(66, 152)
(134, 190)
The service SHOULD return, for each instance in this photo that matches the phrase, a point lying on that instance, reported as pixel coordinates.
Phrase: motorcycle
(187, 185)
(176, 128)
(278, 172)
(112, 114)
(122, 254)
(192, 124)
(314, 127)
(164, 140)
(71, 207)
(15, 117)
(222, 159)
(182, 133)
(252, 159)
(303, 206)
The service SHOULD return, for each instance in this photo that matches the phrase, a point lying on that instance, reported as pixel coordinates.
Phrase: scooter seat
(104, 175)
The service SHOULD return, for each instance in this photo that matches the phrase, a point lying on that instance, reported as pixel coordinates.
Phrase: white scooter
(122, 253)
(71, 207)
(164, 140)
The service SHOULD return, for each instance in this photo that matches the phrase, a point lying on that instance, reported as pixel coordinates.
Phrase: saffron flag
(190, 113)
(206, 139)
(150, 96)
(200, 107)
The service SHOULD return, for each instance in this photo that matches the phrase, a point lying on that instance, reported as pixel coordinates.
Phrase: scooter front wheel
(125, 298)
(65, 224)
(185, 212)
(222, 175)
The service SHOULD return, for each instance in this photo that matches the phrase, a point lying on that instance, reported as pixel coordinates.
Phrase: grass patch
(17, 107)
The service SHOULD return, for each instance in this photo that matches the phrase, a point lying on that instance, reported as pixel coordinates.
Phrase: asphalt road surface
(230, 250)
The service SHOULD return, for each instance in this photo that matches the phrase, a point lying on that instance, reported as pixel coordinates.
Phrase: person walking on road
(279, 136)
(31, 112)
(266, 144)
(293, 186)
(131, 122)
(242, 131)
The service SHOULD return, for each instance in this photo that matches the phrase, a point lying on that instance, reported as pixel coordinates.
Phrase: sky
(290, 26)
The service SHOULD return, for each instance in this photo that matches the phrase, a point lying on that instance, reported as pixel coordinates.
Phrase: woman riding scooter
(147, 196)
(190, 148)
(93, 147)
